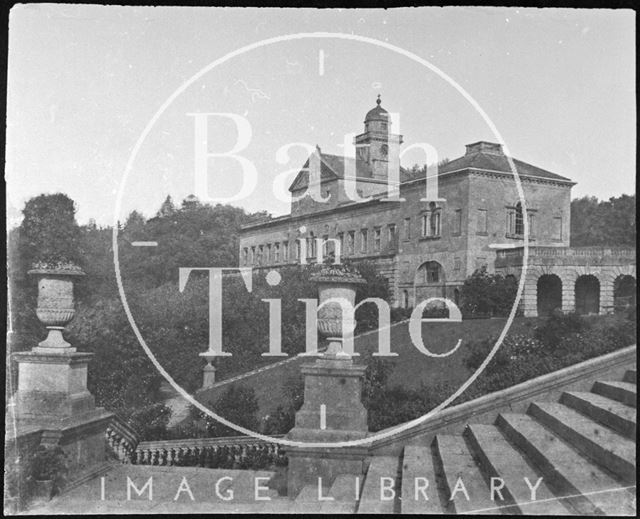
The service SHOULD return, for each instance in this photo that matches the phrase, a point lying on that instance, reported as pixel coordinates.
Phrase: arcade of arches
(584, 290)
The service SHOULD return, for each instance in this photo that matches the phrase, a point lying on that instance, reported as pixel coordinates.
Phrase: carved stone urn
(55, 307)
(336, 283)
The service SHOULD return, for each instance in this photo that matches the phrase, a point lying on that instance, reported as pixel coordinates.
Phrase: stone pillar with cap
(52, 394)
(332, 410)
(208, 372)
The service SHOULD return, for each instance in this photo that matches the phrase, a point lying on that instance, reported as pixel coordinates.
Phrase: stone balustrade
(228, 452)
(121, 439)
(574, 252)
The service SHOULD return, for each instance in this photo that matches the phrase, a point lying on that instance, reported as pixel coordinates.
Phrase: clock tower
(375, 145)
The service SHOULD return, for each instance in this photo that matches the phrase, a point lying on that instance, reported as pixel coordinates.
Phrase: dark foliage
(488, 294)
(603, 223)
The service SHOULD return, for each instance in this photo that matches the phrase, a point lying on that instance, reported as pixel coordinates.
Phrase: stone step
(417, 473)
(604, 446)
(372, 500)
(631, 376)
(570, 475)
(499, 459)
(111, 507)
(619, 417)
(343, 491)
(462, 472)
(624, 392)
(309, 499)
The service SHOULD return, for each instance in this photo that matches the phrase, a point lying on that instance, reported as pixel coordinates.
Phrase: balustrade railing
(567, 251)
(234, 452)
(121, 439)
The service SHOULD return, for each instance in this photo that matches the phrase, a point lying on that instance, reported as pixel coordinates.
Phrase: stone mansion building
(427, 248)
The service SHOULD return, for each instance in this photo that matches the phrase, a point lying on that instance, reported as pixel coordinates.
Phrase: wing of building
(427, 231)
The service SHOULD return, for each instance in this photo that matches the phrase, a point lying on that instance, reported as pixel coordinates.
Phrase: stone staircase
(577, 454)
(583, 448)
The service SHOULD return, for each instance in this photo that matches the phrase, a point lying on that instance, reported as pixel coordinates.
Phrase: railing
(237, 452)
(567, 251)
(121, 439)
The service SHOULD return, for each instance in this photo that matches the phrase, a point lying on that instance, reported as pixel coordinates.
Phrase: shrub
(400, 314)
(239, 405)
(561, 341)
(558, 326)
(488, 294)
(49, 464)
(435, 310)
(151, 422)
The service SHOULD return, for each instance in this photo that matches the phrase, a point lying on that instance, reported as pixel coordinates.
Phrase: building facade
(425, 244)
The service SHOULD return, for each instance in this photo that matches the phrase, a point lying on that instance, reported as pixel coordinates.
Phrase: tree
(603, 223)
(167, 208)
(49, 232)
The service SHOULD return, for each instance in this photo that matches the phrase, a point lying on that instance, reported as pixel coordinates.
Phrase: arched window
(431, 272)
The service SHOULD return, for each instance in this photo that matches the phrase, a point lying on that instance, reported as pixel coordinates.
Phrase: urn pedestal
(52, 394)
(332, 410)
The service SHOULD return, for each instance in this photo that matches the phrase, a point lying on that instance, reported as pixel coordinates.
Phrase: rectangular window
(434, 227)
(407, 228)
(391, 235)
(457, 222)
(351, 241)
(457, 264)
(376, 239)
(364, 240)
(511, 214)
(276, 253)
(519, 220)
(481, 221)
(431, 223)
(557, 228)
(285, 251)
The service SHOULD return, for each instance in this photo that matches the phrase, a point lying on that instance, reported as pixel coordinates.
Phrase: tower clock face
(240, 130)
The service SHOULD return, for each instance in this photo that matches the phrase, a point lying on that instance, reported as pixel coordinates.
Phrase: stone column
(530, 297)
(568, 294)
(332, 410)
(52, 394)
(606, 294)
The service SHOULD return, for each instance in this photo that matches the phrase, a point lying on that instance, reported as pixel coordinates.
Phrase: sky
(85, 81)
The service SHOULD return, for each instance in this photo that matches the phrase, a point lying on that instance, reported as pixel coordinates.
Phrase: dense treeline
(603, 223)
